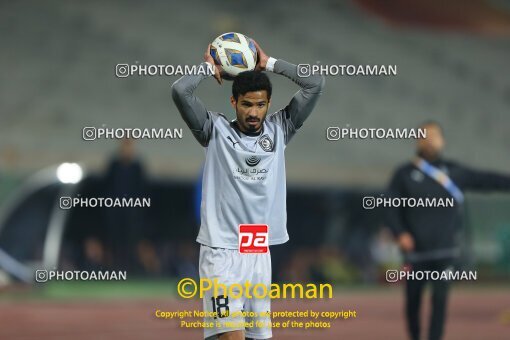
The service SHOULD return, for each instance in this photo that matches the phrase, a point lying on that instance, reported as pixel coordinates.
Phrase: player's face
(431, 146)
(251, 109)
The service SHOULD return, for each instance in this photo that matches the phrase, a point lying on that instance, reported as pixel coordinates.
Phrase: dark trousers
(414, 293)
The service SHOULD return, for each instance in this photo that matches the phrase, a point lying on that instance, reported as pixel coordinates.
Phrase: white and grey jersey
(244, 175)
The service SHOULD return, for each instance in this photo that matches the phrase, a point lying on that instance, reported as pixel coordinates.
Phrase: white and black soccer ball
(235, 52)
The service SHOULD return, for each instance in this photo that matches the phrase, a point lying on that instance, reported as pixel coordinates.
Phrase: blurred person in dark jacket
(125, 177)
(429, 236)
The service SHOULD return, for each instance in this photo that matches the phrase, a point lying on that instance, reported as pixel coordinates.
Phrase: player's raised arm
(303, 102)
(191, 108)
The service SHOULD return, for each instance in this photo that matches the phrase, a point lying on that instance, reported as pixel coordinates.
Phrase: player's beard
(251, 128)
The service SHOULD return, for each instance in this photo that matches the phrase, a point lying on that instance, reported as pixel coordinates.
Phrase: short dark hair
(250, 81)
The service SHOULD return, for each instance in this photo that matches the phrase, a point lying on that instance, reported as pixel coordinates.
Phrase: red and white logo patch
(253, 238)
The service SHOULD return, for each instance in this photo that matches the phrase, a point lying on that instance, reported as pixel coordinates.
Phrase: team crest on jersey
(266, 143)
(252, 161)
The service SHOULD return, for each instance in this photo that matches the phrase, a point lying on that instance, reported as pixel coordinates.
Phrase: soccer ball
(235, 53)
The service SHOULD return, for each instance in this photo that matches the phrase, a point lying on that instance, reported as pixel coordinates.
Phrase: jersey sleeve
(191, 108)
(292, 117)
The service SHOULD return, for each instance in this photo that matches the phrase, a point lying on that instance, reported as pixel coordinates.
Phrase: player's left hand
(262, 58)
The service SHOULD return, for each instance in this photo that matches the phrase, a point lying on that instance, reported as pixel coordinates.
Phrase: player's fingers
(257, 46)
(261, 57)
(217, 76)
(207, 55)
(258, 66)
(259, 49)
(217, 73)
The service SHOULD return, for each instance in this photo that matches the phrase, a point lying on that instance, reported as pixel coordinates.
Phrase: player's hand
(262, 58)
(406, 242)
(217, 68)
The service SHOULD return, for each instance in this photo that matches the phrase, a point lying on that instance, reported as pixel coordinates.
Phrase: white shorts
(229, 266)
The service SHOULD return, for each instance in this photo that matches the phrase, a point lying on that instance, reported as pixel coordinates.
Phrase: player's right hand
(406, 242)
(262, 57)
(217, 68)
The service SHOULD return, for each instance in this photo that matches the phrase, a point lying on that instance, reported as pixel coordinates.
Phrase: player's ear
(233, 101)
